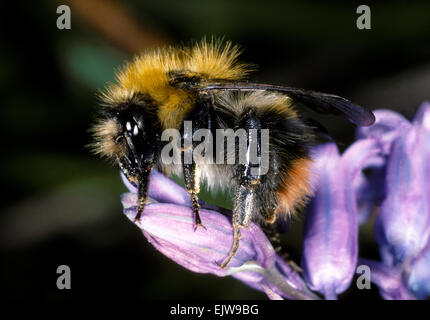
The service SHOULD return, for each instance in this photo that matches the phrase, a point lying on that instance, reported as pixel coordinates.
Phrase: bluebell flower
(396, 190)
(330, 247)
(371, 190)
(403, 223)
(390, 281)
(168, 224)
(418, 275)
(402, 226)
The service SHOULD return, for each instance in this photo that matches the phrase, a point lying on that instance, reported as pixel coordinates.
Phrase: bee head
(129, 133)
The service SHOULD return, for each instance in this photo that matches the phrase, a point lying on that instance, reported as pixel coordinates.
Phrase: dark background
(60, 204)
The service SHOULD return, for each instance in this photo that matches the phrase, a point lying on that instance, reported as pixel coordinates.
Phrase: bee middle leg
(192, 184)
(199, 118)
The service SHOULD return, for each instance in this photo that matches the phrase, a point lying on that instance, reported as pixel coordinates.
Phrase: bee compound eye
(135, 130)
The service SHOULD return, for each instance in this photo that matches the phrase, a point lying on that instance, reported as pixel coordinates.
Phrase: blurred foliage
(61, 204)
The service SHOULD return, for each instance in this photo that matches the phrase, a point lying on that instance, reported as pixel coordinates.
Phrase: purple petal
(402, 228)
(171, 228)
(326, 154)
(419, 274)
(162, 189)
(291, 276)
(277, 281)
(331, 244)
(360, 155)
(370, 192)
(422, 117)
(389, 281)
(387, 127)
(273, 295)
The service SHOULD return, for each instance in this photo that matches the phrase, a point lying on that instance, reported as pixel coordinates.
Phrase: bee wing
(317, 101)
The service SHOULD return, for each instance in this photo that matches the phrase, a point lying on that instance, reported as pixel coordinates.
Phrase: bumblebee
(206, 84)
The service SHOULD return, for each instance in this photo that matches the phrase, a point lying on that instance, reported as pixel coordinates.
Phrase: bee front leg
(192, 184)
(139, 178)
(143, 182)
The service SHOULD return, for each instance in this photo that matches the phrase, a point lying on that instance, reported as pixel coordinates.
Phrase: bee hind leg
(235, 247)
(249, 180)
(245, 203)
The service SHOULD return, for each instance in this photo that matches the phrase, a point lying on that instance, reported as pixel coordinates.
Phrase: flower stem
(273, 276)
